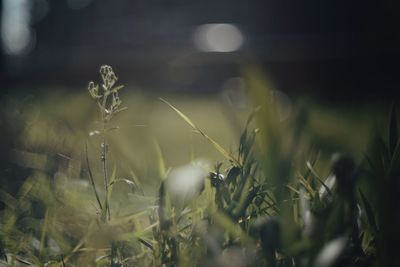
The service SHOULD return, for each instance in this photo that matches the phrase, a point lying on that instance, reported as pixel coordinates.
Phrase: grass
(100, 187)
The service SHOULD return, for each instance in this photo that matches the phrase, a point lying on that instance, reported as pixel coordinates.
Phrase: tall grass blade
(370, 214)
(91, 178)
(314, 173)
(109, 192)
(137, 182)
(62, 260)
(209, 139)
(44, 231)
(161, 162)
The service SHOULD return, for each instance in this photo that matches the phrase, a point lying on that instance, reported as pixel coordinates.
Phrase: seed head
(108, 76)
(94, 90)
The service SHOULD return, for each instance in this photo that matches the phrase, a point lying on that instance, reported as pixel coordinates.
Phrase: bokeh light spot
(16, 35)
(218, 38)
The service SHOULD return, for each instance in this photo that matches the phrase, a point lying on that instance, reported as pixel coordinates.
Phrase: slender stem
(104, 160)
(62, 260)
(91, 179)
(105, 173)
(104, 153)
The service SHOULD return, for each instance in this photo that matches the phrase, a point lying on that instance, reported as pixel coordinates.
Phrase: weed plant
(264, 204)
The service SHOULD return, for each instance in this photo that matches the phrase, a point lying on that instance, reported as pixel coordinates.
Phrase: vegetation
(273, 201)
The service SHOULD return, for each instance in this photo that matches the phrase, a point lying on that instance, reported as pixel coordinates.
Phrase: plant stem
(104, 149)
(105, 173)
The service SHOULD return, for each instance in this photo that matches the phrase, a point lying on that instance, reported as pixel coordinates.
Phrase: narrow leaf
(91, 178)
(144, 242)
(209, 139)
(161, 162)
(232, 174)
(318, 178)
(369, 212)
(129, 182)
(137, 182)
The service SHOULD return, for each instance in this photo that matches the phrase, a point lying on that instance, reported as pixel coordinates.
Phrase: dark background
(339, 51)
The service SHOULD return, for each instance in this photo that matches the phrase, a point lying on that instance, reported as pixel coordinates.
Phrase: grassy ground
(193, 188)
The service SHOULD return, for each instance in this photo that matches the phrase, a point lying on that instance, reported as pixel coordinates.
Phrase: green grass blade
(162, 170)
(209, 139)
(145, 243)
(44, 232)
(8, 200)
(183, 116)
(109, 192)
(128, 182)
(91, 179)
(369, 212)
(137, 182)
(314, 173)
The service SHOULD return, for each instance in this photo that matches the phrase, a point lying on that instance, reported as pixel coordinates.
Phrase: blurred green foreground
(206, 184)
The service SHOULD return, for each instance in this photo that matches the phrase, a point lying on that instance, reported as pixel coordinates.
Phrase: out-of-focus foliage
(277, 198)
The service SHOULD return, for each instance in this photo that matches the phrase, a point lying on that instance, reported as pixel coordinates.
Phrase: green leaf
(128, 182)
(314, 173)
(370, 214)
(209, 139)
(44, 232)
(91, 178)
(225, 194)
(162, 170)
(8, 200)
(107, 211)
(232, 174)
(112, 181)
(383, 151)
(137, 182)
(144, 242)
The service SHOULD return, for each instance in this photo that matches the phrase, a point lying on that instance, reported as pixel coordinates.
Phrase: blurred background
(343, 51)
(340, 58)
